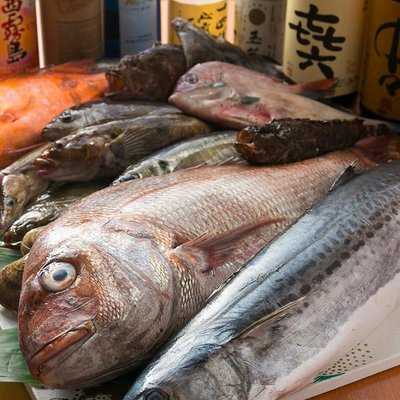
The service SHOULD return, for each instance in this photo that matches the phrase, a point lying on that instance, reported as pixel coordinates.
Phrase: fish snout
(55, 351)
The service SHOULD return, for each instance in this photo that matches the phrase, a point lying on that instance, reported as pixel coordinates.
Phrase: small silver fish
(214, 149)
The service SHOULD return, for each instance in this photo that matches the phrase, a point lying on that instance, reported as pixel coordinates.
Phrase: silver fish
(311, 295)
(215, 149)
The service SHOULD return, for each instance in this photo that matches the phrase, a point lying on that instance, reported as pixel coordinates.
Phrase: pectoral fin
(212, 251)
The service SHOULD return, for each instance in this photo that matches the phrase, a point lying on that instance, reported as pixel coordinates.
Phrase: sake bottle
(18, 36)
(111, 17)
(323, 40)
(139, 25)
(260, 26)
(72, 30)
(380, 87)
(210, 15)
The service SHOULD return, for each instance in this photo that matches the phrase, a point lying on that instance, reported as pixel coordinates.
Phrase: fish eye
(66, 116)
(156, 394)
(191, 78)
(9, 202)
(57, 276)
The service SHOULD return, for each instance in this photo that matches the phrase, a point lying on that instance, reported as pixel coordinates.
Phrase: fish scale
(329, 282)
(174, 240)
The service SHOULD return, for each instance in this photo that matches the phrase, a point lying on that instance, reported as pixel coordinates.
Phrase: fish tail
(379, 149)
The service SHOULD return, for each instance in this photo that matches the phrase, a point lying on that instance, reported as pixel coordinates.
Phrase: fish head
(14, 196)
(218, 378)
(207, 91)
(66, 123)
(89, 310)
(74, 158)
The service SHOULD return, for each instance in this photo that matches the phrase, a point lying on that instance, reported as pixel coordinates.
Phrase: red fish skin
(227, 95)
(31, 100)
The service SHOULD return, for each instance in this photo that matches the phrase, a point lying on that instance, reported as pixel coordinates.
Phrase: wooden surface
(383, 386)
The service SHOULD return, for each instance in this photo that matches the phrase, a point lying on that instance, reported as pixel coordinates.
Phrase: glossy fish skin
(30, 101)
(148, 75)
(291, 140)
(10, 284)
(307, 298)
(225, 94)
(20, 184)
(46, 208)
(214, 149)
(147, 255)
(97, 113)
(104, 151)
(200, 47)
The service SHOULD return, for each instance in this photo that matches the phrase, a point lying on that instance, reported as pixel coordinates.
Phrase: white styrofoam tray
(378, 352)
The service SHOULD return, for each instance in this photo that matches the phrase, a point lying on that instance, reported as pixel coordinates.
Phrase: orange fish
(30, 101)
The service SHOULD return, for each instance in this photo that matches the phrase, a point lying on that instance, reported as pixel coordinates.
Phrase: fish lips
(55, 352)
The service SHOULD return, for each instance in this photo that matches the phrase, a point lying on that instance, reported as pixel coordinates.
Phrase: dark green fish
(96, 113)
(104, 151)
(214, 149)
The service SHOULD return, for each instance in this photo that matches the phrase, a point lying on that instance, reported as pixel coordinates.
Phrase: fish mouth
(45, 166)
(54, 353)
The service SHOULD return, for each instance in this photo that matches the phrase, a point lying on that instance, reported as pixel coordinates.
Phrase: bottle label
(380, 91)
(211, 17)
(323, 40)
(259, 27)
(18, 37)
(139, 25)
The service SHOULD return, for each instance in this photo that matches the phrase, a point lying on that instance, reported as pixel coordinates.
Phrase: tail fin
(379, 149)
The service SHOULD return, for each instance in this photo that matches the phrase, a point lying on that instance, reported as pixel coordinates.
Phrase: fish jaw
(49, 357)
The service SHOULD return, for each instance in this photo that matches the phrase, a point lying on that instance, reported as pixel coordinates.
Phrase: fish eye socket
(66, 116)
(57, 276)
(191, 78)
(9, 202)
(156, 394)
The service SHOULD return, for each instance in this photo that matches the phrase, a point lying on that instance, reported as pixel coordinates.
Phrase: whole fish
(148, 75)
(227, 95)
(30, 101)
(214, 149)
(97, 113)
(10, 284)
(19, 185)
(48, 207)
(289, 140)
(310, 296)
(104, 151)
(111, 279)
(200, 47)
